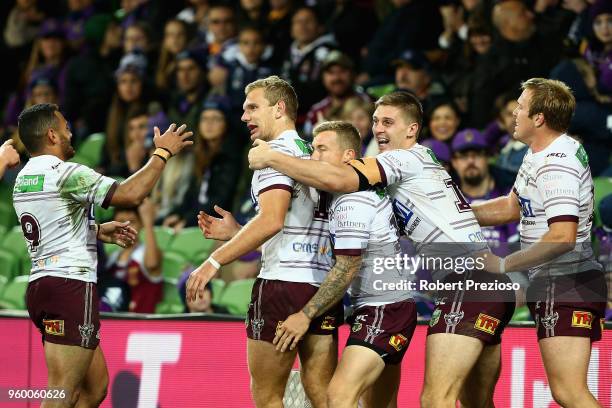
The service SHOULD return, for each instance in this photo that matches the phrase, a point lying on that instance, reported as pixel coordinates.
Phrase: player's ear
(348, 155)
(413, 130)
(539, 119)
(52, 136)
(281, 108)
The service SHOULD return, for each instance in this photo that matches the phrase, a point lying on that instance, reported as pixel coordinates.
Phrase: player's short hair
(277, 89)
(407, 102)
(33, 124)
(346, 134)
(553, 99)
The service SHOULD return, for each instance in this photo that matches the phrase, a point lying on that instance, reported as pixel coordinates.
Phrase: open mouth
(252, 128)
(382, 141)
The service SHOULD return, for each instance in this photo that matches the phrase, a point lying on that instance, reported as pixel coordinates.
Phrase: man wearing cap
(471, 162)
(413, 72)
(186, 100)
(338, 77)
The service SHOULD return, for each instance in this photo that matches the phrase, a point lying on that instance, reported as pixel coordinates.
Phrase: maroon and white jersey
(555, 185)
(301, 251)
(363, 223)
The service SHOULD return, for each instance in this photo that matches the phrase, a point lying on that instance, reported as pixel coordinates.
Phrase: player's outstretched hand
(259, 155)
(118, 233)
(221, 229)
(492, 262)
(174, 139)
(196, 284)
(8, 155)
(291, 331)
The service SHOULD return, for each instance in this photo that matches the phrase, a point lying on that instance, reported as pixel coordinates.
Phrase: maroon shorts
(65, 311)
(571, 305)
(467, 312)
(386, 329)
(272, 301)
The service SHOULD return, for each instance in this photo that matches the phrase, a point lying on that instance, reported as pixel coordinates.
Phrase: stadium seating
(171, 302)
(9, 265)
(236, 296)
(192, 245)
(218, 286)
(14, 243)
(163, 237)
(7, 214)
(603, 188)
(173, 265)
(89, 152)
(13, 295)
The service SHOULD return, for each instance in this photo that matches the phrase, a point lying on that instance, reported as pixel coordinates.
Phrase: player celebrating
(553, 198)
(363, 228)
(292, 227)
(431, 210)
(54, 201)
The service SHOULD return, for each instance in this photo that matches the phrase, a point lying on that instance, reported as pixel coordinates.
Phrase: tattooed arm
(291, 331)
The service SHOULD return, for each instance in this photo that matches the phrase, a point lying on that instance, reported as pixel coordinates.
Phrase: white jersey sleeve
(559, 186)
(85, 185)
(351, 221)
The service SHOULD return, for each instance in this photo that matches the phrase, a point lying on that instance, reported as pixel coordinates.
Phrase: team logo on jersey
(486, 323)
(440, 300)
(257, 326)
(549, 321)
(398, 341)
(582, 319)
(54, 327)
(373, 331)
(86, 331)
(526, 207)
(582, 156)
(328, 323)
(453, 318)
(435, 317)
(358, 324)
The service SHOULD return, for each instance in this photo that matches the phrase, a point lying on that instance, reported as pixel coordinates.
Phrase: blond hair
(553, 99)
(346, 134)
(277, 89)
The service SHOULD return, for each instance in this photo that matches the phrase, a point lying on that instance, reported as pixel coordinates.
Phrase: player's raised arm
(498, 211)
(273, 205)
(132, 191)
(317, 174)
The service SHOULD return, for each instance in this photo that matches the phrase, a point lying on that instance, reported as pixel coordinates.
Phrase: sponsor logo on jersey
(560, 155)
(329, 323)
(29, 184)
(435, 317)
(358, 325)
(582, 319)
(526, 207)
(486, 323)
(310, 248)
(54, 327)
(398, 341)
(582, 157)
(305, 148)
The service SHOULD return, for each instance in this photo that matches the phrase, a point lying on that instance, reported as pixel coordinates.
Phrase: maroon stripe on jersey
(562, 218)
(383, 175)
(109, 195)
(276, 187)
(556, 166)
(358, 200)
(347, 252)
(568, 198)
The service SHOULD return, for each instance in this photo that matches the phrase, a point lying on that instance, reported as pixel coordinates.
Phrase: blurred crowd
(121, 67)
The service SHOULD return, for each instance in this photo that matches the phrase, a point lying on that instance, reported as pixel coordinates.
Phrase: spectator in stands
(359, 112)
(203, 304)
(8, 157)
(22, 23)
(499, 132)
(137, 38)
(176, 38)
(79, 12)
(413, 24)
(195, 14)
(441, 150)
(130, 95)
(191, 88)
(217, 166)
(444, 121)
(338, 76)
(139, 265)
(278, 28)
(520, 51)
(90, 77)
(302, 65)
(221, 34)
(252, 13)
(598, 51)
(603, 237)
(471, 162)
(343, 17)
(250, 64)
(414, 73)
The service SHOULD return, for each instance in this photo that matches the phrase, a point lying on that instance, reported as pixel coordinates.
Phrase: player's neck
(408, 143)
(282, 128)
(543, 140)
(48, 152)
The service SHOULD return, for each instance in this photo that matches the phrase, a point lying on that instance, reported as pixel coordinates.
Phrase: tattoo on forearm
(334, 286)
